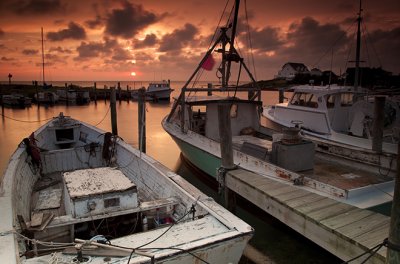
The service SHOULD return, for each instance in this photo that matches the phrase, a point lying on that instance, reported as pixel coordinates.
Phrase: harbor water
(274, 239)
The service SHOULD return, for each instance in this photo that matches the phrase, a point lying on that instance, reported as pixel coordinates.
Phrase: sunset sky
(165, 39)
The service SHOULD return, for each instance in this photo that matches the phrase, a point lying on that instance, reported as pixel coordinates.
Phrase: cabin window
(304, 99)
(234, 109)
(346, 99)
(112, 202)
(65, 134)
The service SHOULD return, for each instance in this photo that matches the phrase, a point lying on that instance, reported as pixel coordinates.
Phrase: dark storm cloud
(36, 7)
(7, 59)
(128, 21)
(383, 47)
(121, 54)
(30, 52)
(266, 39)
(60, 50)
(87, 50)
(178, 38)
(74, 31)
(95, 23)
(149, 41)
(310, 40)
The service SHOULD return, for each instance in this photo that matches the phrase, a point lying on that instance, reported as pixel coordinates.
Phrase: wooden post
(105, 93)
(119, 92)
(393, 256)
(128, 94)
(142, 119)
(95, 93)
(209, 86)
(225, 136)
(37, 93)
(113, 105)
(377, 130)
(281, 95)
(66, 93)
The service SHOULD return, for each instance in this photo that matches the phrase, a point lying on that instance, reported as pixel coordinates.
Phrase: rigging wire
(108, 110)
(26, 121)
(250, 43)
(367, 36)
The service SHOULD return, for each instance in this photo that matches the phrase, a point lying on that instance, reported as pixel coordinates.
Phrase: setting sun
(133, 73)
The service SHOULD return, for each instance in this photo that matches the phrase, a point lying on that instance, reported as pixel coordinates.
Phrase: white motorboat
(332, 114)
(73, 193)
(156, 91)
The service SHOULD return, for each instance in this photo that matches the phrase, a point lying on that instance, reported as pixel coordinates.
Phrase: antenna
(357, 68)
(42, 58)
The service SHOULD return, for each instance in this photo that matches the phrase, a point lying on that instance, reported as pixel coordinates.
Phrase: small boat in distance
(156, 91)
(72, 193)
(16, 100)
(46, 98)
(74, 96)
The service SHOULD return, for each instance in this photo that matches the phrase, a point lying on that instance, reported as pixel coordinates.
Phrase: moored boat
(193, 124)
(46, 97)
(156, 91)
(72, 192)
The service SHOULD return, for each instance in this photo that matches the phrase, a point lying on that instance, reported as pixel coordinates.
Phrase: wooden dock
(344, 230)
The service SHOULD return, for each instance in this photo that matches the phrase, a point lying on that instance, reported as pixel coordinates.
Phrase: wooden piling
(128, 94)
(209, 86)
(119, 92)
(95, 93)
(66, 93)
(142, 119)
(393, 256)
(113, 105)
(377, 130)
(225, 136)
(281, 95)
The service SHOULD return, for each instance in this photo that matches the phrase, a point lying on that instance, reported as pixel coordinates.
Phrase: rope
(27, 121)
(108, 110)
(372, 251)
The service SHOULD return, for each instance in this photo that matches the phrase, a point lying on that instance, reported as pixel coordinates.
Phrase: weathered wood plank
(309, 198)
(291, 195)
(362, 226)
(331, 211)
(375, 236)
(346, 218)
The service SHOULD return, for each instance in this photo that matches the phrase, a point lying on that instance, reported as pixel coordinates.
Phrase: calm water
(271, 237)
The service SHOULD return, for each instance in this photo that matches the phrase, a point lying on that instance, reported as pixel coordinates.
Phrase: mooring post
(225, 136)
(377, 130)
(113, 105)
(209, 87)
(66, 93)
(128, 94)
(119, 92)
(281, 95)
(142, 119)
(393, 253)
(37, 93)
(95, 93)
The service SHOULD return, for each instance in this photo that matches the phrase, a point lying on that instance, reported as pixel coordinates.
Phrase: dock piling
(113, 105)
(393, 255)
(95, 93)
(225, 135)
(377, 130)
(142, 119)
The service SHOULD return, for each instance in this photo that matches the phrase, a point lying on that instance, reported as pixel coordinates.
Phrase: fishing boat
(46, 97)
(156, 91)
(16, 100)
(288, 158)
(74, 96)
(73, 194)
(333, 115)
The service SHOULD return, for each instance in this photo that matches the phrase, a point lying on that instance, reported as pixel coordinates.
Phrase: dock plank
(364, 225)
(317, 205)
(346, 218)
(331, 211)
(310, 198)
(291, 195)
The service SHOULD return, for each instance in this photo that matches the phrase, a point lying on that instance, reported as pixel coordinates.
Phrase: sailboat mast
(231, 49)
(43, 58)
(357, 68)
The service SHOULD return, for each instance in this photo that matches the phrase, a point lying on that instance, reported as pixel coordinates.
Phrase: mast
(357, 66)
(42, 58)
(231, 48)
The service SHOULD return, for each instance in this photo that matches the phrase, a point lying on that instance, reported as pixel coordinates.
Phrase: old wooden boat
(156, 91)
(73, 193)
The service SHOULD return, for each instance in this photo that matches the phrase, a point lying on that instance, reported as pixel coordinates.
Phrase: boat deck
(337, 172)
